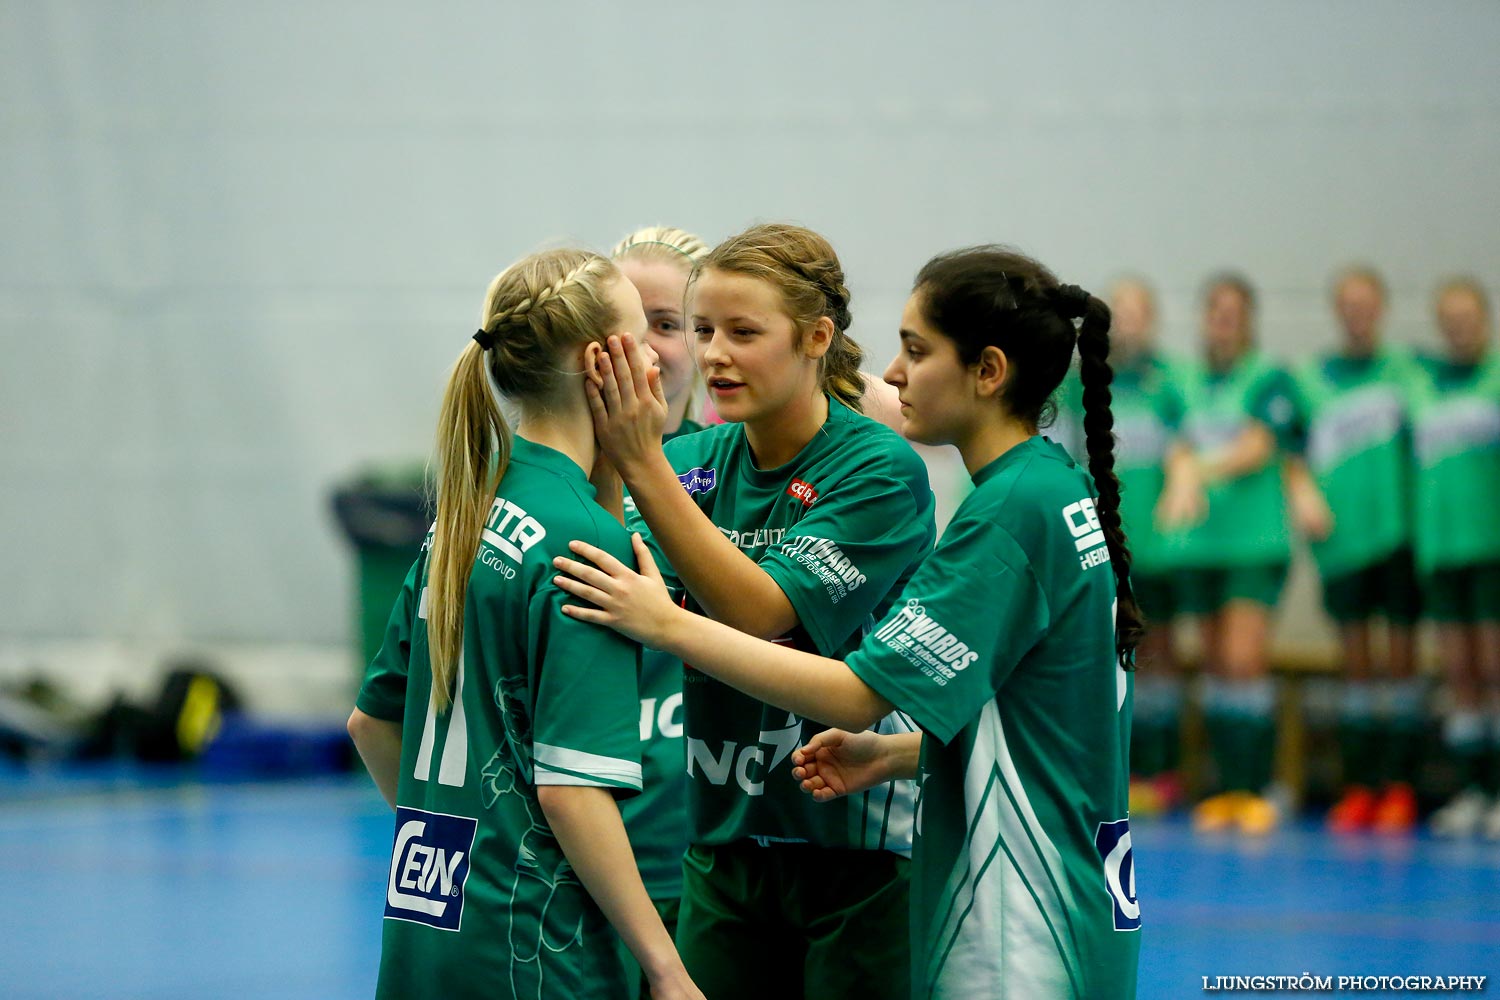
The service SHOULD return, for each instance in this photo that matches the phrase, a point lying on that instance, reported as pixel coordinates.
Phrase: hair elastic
(484, 338)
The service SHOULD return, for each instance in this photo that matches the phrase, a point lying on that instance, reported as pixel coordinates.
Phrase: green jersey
(1456, 432)
(840, 528)
(657, 818)
(1246, 522)
(480, 900)
(1002, 649)
(1358, 448)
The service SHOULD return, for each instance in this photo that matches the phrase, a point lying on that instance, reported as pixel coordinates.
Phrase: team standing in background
(1383, 459)
(966, 831)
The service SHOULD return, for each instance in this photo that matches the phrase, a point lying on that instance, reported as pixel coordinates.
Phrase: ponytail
(1098, 428)
(473, 449)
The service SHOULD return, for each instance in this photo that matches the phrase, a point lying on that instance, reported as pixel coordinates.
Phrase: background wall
(243, 241)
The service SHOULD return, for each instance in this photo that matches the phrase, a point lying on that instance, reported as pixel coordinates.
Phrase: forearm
(1250, 451)
(814, 687)
(379, 746)
(587, 824)
(725, 582)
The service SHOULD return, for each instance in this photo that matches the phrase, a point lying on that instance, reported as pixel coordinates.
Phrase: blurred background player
(1456, 423)
(1148, 410)
(1222, 504)
(1358, 455)
(499, 730)
(658, 260)
(796, 520)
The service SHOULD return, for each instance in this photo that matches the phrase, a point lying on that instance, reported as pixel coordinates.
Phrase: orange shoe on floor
(1257, 816)
(1396, 813)
(1218, 812)
(1354, 812)
(1144, 799)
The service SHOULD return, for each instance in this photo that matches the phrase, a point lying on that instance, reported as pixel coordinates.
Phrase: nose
(713, 354)
(893, 374)
(652, 358)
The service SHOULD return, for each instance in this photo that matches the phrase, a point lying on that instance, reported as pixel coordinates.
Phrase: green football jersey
(1358, 448)
(840, 528)
(657, 818)
(1456, 433)
(480, 900)
(1246, 522)
(1002, 650)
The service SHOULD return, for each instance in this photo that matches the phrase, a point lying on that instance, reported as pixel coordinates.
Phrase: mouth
(724, 386)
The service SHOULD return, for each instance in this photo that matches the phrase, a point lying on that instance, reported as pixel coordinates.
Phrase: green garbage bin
(383, 511)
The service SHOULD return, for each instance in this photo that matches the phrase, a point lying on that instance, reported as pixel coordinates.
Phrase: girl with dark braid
(1011, 647)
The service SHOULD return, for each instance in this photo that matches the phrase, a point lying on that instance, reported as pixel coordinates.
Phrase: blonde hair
(661, 243)
(534, 310)
(803, 267)
(1464, 284)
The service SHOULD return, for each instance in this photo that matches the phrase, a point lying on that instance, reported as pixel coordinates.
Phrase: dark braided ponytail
(992, 296)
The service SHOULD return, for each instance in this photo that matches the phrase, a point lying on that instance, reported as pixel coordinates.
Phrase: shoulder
(1028, 493)
(871, 444)
(691, 448)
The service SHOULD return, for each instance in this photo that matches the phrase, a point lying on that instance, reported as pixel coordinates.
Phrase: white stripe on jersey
(561, 766)
(1005, 932)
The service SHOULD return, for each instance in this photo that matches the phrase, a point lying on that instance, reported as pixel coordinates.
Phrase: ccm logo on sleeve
(429, 866)
(803, 491)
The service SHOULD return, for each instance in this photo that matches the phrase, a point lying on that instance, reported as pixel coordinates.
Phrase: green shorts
(639, 986)
(1205, 591)
(1156, 596)
(1463, 594)
(792, 920)
(1386, 589)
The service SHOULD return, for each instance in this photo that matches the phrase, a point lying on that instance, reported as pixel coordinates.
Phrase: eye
(703, 330)
(666, 325)
(744, 331)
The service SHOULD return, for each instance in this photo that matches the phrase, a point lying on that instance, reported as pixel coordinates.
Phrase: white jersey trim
(561, 766)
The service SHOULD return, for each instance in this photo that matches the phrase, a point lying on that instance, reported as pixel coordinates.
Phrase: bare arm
(1310, 511)
(628, 413)
(587, 824)
(835, 763)
(1250, 451)
(379, 746)
(814, 687)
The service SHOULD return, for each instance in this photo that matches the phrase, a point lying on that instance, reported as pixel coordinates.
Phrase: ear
(819, 339)
(990, 372)
(592, 352)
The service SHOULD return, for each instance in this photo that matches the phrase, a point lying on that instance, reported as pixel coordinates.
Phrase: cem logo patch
(1113, 843)
(697, 480)
(803, 491)
(429, 866)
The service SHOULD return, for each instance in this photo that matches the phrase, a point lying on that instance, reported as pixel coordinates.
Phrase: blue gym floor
(136, 885)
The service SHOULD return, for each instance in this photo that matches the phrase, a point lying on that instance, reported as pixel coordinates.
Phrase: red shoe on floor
(1354, 813)
(1396, 813)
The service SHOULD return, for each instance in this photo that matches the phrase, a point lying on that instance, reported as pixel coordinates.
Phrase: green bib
(1456, 436)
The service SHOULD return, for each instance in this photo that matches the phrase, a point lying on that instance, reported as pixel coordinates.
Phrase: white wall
(243, 241)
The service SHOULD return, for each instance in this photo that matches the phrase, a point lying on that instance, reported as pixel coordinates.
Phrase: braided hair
(990, 296)
(805, 270)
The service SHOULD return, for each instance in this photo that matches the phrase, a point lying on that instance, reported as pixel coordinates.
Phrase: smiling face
(748, 349)
(939, 402)
(661, 284)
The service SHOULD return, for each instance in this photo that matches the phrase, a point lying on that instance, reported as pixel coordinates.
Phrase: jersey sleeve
(382, 694)
(1277, 403)
(635, 523)
(969, 615)
(842, 559)
(585, 730)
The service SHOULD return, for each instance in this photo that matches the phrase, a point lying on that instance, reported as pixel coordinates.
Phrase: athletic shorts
(1463, 594)
(1156, 596)
(1206, 591)
(793, 920)
(1387, 589)
(639, 985)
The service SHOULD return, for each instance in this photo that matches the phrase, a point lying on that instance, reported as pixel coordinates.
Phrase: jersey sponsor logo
(429, 866)
(1112, 840)
(925, 643)
(662, 717)
(825, 560)
(698, 480)
(1088, 534)
(512, 531)
(754, 538)
(745, 764)
(1463, 424)
(803, 491)
(1360, 420)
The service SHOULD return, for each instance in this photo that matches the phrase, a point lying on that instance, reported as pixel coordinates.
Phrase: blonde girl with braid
(796, 520)
(501, 731)
(658, 261)
(1011, 648)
